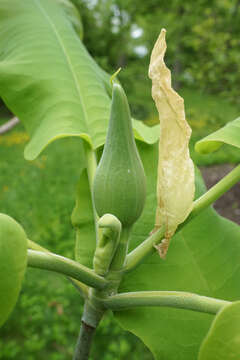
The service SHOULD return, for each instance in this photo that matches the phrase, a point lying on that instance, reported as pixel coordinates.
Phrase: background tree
(203, 49)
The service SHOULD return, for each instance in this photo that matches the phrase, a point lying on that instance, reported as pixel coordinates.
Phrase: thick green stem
(84, 342)
(176, 299)
(90, 320)
(62, 265)
(147, 247)
(91, 164)
(91, 169)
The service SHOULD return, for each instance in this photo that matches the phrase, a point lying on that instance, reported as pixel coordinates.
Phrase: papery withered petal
(175, 185)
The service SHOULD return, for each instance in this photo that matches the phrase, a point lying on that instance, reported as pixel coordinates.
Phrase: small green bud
(120, 186)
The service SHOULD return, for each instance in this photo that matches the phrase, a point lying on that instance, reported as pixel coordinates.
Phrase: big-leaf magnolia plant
(165, 264)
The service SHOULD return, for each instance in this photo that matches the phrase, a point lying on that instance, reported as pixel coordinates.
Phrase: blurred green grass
(40, 195)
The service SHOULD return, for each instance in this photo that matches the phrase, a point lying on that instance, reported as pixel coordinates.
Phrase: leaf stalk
(62, 265)
(176, 299)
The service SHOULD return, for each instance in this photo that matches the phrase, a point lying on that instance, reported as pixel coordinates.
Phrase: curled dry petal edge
(175, 184)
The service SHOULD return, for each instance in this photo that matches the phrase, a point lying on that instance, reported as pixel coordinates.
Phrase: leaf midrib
(68, 60)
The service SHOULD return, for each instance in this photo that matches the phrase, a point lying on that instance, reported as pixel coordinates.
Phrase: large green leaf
(229, 134)
(203, 258)
(47, 78)
(223, 339)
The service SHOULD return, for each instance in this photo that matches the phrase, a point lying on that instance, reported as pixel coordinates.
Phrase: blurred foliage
(203, 43)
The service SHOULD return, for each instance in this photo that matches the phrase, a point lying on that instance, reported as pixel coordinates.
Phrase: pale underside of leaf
(149, 135)
(229, 134)
(175, 187)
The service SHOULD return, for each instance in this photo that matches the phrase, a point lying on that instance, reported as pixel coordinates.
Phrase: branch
(9, 125)
(176, 299)
(136, 256)
(82, 288)
(216, 191)
(90, 320)
(62, 265)
(84, 342)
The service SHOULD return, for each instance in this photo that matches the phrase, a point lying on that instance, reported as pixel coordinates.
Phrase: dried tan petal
(175, 186)
(162, 248)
